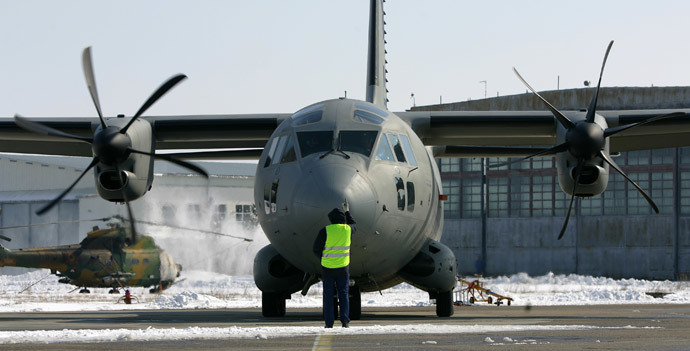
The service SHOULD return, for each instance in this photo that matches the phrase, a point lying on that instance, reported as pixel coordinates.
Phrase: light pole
(414, 103)
(483, 81)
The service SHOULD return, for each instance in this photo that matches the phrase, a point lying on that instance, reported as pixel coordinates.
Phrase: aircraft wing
(170, 132)
(508, 133)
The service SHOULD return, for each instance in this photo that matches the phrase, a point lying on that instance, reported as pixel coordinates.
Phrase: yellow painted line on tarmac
(322, 342)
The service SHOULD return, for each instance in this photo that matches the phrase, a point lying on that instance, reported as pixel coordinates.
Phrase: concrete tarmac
(610, 327)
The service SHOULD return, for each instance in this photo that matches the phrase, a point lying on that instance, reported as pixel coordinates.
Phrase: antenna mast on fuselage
(376, 61)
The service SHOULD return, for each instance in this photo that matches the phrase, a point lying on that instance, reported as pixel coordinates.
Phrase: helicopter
(106, 258)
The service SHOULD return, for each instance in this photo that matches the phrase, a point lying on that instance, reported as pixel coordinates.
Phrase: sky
(279, 56)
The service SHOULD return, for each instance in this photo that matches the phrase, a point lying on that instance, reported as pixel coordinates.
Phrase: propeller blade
(185, 164)
(613, 164)
(593, 104)
(611, 131)
(550, 151)
(39, 128)
(87, 65)
(565, 122)
(169, 84)
(129, 207)
(50, 205)
(578, 171)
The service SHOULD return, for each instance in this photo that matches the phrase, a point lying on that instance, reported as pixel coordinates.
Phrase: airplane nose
(326, 187)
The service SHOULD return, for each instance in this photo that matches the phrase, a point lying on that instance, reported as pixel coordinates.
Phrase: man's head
(337, 216)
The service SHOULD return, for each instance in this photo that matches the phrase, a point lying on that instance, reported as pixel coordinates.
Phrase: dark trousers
(343, 284)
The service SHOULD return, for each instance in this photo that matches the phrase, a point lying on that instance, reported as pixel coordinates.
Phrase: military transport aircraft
(381, 162)
(106, 258)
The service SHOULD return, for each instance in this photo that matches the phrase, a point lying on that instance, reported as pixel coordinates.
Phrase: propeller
(110, 144)
(586, 139)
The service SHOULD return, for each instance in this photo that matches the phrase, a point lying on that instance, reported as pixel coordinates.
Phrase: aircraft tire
(444, 304)
(355, 303)
(272, 305)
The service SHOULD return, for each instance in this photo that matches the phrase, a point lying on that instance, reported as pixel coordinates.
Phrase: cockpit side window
(408, 149)
(289, 153)
(397, 148)
(271, 150)
(279, 150)
(359, 141)
(384, 151)
(308, 115)
(313, 142)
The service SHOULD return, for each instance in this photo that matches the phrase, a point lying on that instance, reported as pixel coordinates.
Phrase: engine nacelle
(136, 170)
(594, 176)
(274, 274)
(434, 269)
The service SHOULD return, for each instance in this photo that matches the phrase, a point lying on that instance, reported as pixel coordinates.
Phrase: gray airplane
(381, 162)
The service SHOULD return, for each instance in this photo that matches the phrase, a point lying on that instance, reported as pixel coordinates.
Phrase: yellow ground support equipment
(474, 291)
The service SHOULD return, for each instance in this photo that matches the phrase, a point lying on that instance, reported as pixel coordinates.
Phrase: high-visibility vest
(336, 252)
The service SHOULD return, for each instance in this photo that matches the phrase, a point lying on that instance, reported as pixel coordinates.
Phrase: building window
(451, 207)
(662, 191)
(450, 165)
(561, 200)
(519, 196)
(498, 197)
(685, 192)
(472, 164)
(542, 196)
(590, 206)
(662, 157)
(636, 158)
(471, 198)
(636, 202)
(542, 162)
(614, 196)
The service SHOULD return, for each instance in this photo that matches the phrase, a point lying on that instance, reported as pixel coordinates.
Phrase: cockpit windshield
(359, 141)
(313, 142)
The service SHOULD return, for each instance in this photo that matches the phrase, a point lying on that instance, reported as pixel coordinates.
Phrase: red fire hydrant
(128, 297)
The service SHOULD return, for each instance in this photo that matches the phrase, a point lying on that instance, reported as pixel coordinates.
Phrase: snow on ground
(197, 289)
(40, 291)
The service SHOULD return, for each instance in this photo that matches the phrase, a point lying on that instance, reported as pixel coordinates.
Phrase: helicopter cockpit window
(384, 151)
(408, 149)
(397, 147)
(289, 153)
(313, 142)
(308, 115)
(359, 141)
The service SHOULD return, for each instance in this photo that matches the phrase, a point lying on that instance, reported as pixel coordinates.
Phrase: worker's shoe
(328, 326)
(346, 324)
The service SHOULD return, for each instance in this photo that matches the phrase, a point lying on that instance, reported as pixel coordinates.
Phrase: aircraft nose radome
(326, 187)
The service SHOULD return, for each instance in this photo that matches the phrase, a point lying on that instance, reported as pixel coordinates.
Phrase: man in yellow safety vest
(332, 246)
